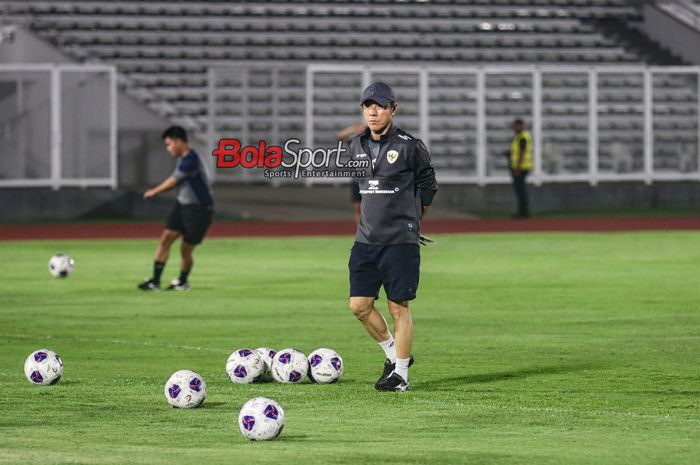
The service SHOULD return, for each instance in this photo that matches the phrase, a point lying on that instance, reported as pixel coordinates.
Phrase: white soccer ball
(43, 367)
(289, 366)
(266, 354)
(185, 389)
(244, 366)
(325, 366)
(60, 266)
(261, 419)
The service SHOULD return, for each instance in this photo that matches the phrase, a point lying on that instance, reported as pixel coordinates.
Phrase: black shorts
(396, 267)
(191, 220)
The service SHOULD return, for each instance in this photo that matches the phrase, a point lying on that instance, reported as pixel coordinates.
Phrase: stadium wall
(671, 33)
(576, 197)
(142, 160)
(329, 202)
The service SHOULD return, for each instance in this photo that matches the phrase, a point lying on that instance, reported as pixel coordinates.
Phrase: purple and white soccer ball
(289, 366)
(261, 419)
(43, 367)
(185, 389)
(60, 266)
(266, 354)
(325, 366)
(244, 366)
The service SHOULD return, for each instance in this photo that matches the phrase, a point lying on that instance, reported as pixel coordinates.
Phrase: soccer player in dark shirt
(191, 214)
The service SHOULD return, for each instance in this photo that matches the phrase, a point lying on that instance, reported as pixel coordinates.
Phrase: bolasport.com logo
(289, 160)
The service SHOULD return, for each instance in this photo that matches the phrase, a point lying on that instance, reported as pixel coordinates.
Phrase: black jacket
(393, 190)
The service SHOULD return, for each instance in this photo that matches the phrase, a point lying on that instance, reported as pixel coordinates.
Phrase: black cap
(379, 92)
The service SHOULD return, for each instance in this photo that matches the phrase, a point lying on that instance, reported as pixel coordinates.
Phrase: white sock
(402, 367)
(389, 347)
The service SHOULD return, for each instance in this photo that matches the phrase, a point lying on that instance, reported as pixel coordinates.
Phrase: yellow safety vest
(515, 151)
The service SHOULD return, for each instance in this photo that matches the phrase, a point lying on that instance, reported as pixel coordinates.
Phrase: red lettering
(249, 156)
(262, 145)
(227, 155)
(274, 159)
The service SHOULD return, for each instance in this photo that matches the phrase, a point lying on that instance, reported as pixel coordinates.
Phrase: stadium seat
(167, 61)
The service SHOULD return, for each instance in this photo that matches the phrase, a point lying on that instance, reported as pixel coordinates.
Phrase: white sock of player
(402, 367)
(389, 347)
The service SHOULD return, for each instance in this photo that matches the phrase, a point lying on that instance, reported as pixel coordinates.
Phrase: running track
(335, 228)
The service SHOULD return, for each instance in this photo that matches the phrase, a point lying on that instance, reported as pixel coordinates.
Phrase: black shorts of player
(191, 220)
(396, 267)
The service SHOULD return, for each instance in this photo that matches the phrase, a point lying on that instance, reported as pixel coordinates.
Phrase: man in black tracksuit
(396, 192)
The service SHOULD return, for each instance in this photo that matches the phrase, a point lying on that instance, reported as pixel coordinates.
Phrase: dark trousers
(520, 188)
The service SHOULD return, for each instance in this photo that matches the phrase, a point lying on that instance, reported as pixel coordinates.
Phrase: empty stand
(164, 51)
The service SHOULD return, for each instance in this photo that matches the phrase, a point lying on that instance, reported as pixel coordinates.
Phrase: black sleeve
(355, 191)
(424, 174)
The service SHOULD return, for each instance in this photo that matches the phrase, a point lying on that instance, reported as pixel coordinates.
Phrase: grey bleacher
(165, 48)
(687, 11)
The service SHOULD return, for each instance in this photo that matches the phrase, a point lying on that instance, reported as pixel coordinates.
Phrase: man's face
(517, 127)
(376, 116)
(175, 147)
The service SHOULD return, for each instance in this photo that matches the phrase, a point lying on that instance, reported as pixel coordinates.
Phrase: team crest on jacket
(392, 156)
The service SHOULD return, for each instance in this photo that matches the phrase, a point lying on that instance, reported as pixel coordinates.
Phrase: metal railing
(59, 127)
(638, 133)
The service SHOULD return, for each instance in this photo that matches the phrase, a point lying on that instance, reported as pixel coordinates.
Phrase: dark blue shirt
(192, 181)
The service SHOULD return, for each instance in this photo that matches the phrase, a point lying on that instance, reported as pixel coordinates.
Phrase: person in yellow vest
(520, 166)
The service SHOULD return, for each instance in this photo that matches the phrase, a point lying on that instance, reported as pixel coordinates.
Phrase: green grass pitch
(530, 349)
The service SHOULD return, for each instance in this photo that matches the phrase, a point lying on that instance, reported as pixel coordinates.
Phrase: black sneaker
(388, 369)
(393, 383)
(149, 285)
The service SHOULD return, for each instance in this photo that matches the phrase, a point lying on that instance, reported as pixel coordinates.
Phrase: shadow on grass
(212, 405)
(509, 375)
(58, 386)
(292, 438)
